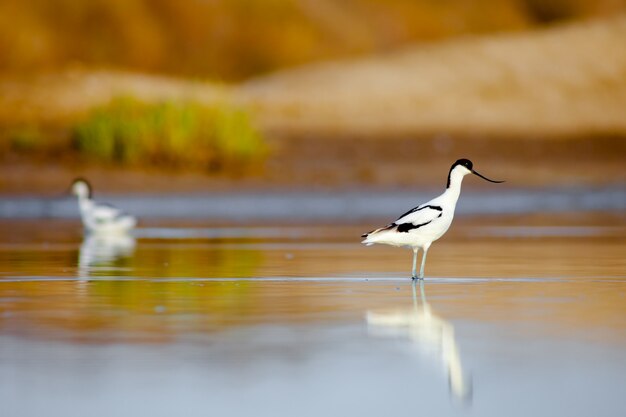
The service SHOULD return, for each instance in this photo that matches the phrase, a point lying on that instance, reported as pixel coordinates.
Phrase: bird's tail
(372, 237)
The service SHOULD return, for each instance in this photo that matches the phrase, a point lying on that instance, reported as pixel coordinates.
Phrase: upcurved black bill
(485, 178)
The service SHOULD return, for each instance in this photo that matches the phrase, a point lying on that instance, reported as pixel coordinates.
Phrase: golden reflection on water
(491, 247)
(160, 311)
(53, 285)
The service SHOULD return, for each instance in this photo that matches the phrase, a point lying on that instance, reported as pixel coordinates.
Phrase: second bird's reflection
(432, 336)
(104, 253)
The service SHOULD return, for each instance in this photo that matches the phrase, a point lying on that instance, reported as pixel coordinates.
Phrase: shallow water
(519, 315)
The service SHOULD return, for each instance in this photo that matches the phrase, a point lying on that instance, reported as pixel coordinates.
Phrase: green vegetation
(172, 133)
(25, 138)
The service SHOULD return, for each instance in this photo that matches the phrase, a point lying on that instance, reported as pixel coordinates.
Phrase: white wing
(418, 217)
(105, 213)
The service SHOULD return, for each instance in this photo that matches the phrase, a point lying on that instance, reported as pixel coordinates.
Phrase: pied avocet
(99, 217)
(419, 227)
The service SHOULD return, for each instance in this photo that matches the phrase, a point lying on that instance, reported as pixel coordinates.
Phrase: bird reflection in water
(431, 335)
(104, 253)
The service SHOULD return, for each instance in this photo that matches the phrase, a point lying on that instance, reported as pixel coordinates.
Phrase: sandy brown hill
(562, 81)
(568, 80)
(233, 40)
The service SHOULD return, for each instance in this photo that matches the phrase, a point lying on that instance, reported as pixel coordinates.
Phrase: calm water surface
(519, 315)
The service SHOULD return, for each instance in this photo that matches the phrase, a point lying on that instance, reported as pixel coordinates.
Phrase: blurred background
(236, 40)
(204, 95)
(256, 140)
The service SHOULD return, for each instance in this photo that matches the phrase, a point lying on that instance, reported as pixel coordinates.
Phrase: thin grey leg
(414, 272)
(422, 292)
(414, 285)
(421, 275)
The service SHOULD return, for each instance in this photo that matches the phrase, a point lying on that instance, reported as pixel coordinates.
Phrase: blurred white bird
(419, 227)
(99, 217)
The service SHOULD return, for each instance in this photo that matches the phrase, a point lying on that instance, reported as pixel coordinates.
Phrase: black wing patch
(406, 227)
(413, 210)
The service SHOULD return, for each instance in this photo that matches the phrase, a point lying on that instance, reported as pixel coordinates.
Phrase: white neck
(454, 188)
(84, 202)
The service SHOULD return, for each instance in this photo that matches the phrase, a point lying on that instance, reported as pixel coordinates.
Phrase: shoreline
(316, 163)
